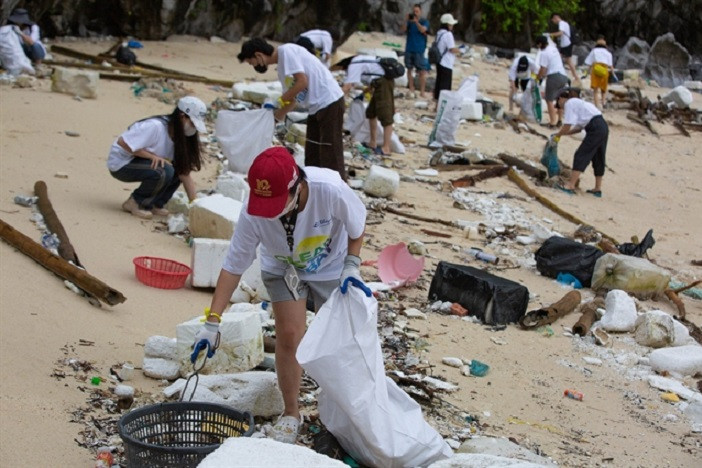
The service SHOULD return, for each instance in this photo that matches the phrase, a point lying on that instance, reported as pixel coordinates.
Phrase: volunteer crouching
(309, 225)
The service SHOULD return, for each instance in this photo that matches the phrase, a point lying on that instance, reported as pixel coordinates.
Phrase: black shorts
(444, 77)
(566, 51)
(593, 148)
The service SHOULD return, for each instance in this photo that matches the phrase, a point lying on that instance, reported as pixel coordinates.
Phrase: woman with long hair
(160, 152)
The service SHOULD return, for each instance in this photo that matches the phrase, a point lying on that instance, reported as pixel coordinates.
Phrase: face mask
(289, 207)
(189, 129)
(261, 68)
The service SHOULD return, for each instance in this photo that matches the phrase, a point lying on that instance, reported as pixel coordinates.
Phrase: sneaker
(285, 430)
(160, 211)
(131, 206)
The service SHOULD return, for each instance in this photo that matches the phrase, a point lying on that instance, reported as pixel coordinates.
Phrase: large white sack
(448, 116)
(359, 127)
(371, 417)
(244, 135)
(12, 56)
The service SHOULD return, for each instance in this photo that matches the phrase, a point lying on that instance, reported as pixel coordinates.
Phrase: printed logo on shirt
(322, 223)
(309, 253)
(263, 188)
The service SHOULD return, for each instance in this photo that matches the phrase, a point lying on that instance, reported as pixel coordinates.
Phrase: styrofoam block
(206, 259)
(297, 133)
(684, 360)
(241, 307)
(620, 312)
(258, 91)
(159, 368)
(75, 82)
(250, 451)
(655, 329)
(256, 392)
(377, 52)
(693, 85)
(214, 217)
(680, 96)
(471, 110)
(178, 203)
(160, 347)
(632, 74)
(233, 185)
(381, 182)
(252, 283)
(682, 334)
(240, 346)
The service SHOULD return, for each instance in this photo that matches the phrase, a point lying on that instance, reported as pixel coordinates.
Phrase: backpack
(574, 36)
(392, 68)
(435, 54)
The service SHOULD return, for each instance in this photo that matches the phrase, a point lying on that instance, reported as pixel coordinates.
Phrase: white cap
(447, 18)
(196, 110)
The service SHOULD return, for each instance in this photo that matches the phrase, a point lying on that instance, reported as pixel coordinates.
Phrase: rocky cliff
(281, 20)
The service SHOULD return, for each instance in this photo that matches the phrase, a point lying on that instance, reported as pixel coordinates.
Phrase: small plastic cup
(127, 371)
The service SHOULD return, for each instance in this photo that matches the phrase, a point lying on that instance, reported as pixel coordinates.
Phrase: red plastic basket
(161, 272)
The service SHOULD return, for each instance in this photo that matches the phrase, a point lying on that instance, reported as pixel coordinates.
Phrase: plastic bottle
(574, 394)
(480, 255)
(25, 200)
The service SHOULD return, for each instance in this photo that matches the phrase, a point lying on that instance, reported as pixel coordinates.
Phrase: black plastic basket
(179, 434)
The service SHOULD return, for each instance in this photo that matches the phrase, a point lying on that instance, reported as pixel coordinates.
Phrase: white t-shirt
(578, 113)
(322, 40)
(322, 89)
(551, 59)
(333, 213)
(445, 42)
(363, 69)
(599, 55)
(531, 68)
(150, 134)
(564, 39)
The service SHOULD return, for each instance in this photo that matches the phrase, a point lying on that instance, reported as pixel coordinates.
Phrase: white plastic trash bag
(12, 56)
(469, 88)
(448, 115)
(243, 135)
(371, 417)
(359, 126)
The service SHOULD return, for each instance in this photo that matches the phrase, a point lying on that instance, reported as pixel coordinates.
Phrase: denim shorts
(416, 60)
(278, 291)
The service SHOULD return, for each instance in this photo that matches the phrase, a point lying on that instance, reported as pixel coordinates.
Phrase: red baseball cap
(271, 176)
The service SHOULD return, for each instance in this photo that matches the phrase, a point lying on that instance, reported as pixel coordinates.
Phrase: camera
(410, 16)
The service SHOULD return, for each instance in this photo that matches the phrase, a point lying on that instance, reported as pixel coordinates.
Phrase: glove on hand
(206, 338)
(554, 138)
(352, 274)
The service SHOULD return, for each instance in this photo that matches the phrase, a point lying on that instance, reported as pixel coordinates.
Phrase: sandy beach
(653, 183)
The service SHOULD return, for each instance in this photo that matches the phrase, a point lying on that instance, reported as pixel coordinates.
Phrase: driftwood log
(53, 224)
(59, 266)
(588, 317)
(390, 209)
(470, 181)
(514, 177)
(523, 166)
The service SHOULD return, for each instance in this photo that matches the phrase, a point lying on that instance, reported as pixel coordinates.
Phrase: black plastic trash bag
(492, 299)
(638, 250)
(125, 56)
(561, 255)
(550, 159)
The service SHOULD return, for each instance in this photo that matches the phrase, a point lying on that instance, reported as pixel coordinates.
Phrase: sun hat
(196, 110)
(271, 176)
(20, 16)
(447, 18)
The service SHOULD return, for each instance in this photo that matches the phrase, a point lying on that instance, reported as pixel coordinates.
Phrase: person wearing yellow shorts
(600, 61)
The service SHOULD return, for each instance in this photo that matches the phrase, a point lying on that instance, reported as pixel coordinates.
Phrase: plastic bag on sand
(372, 418)
(244, 135)
(549, 158)
(448, 115)
(12, 56)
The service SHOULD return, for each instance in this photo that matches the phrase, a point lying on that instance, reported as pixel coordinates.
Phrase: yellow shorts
(599, 77)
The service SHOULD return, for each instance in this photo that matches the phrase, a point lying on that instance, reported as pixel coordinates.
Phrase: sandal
(285, 430)
(597, 193)
(566, 190)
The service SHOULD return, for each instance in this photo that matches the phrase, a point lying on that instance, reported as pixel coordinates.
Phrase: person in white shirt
(365, 69)
(448, 49)
(519, 75)
(580, 115)
(600, 61)
(565, 44)
(322, 42)
(305, 80)
(160, 152)
(551, 68)
(29, 34)
(309, 225)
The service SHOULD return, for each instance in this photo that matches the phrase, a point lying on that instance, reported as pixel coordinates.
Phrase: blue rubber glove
(355, 282)
(206, 338)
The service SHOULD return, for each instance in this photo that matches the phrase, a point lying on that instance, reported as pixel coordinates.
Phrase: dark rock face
(634, 54)
(668, 62)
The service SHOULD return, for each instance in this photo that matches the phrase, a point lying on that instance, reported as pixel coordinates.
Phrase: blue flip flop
(566, 190)
(597, 193)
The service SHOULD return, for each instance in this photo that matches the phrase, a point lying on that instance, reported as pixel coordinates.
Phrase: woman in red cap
(309, 225)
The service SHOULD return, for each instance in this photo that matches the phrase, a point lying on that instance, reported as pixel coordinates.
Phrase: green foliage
(362, 26)
(515, 15)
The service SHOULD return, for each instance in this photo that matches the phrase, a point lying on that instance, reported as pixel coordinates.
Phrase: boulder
(668, 62)
(634, 54)
(81, 83)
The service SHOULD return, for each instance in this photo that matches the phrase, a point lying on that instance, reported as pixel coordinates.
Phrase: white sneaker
(285, 430)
